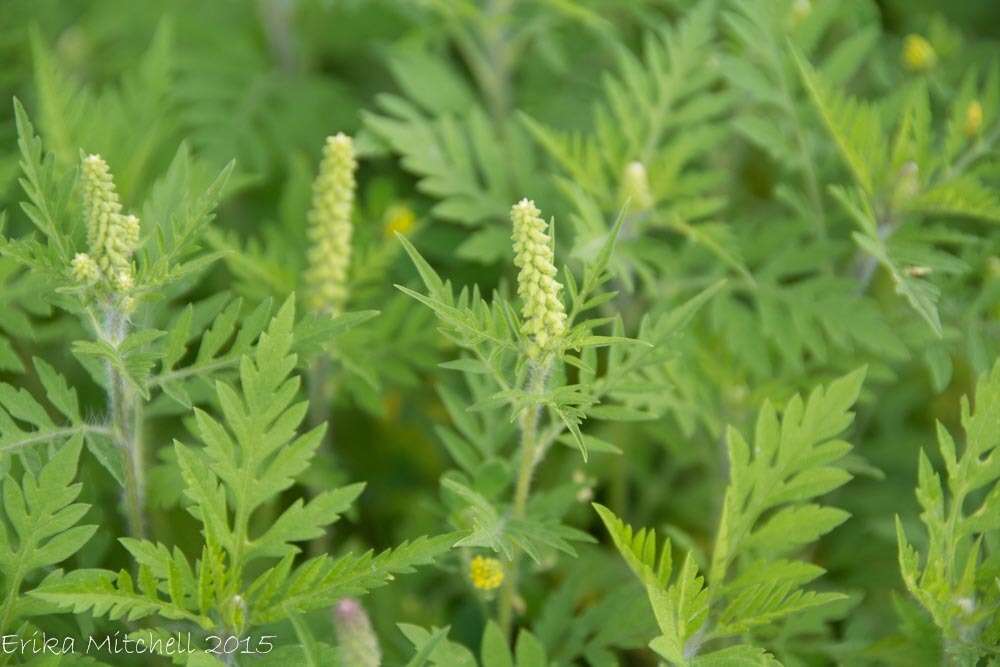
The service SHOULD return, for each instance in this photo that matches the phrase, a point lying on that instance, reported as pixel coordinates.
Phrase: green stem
(319, 412)
(126, 418)
(13, 591)
(530, 457)
(497, 83)
(813, 190)
(485, 46)
(977, 150)
(319, 395)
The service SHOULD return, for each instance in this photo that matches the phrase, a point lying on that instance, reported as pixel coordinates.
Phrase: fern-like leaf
(39, 528)
(946, 582)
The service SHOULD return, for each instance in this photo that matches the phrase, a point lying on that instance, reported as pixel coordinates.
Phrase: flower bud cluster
(112, 236)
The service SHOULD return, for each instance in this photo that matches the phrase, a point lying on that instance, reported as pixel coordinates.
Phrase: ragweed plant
(657, 240)
(104, 286)
(526, 360)
(243, 462)
(114, 274)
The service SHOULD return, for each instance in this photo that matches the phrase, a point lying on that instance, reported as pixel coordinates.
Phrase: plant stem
(125, 411)
(486, 50)
(319, 399)
(496, 81)
(13, 590)
(319, 412)
(530, 457)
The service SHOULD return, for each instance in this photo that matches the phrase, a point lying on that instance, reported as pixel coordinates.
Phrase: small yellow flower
(486, 573)
(973, 118)
(399, 218)
(918, 54)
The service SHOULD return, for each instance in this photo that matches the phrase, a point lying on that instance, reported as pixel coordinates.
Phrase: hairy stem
(531, 454)
(125, 412)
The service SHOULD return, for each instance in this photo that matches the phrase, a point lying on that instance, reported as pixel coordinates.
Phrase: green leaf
(854, 126)
(942, 583)
(38, 527)
(105, 593)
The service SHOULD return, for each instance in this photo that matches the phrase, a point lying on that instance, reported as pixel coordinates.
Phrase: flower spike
(330, 226)
(543, 310)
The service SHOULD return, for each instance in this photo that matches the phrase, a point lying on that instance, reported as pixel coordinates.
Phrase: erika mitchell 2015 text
(139, 643)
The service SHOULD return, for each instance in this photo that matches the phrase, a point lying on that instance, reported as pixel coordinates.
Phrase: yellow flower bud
(330, 226)
(635, 187)
(800, 11)
(85, 269)
(918, 54)
(973, 119)
(486, 574)
(399, 219)
(542, 310)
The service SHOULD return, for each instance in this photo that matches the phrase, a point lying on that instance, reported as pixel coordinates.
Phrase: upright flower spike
(85, 269)
(543, 311)
(330, 226)
(113, 237)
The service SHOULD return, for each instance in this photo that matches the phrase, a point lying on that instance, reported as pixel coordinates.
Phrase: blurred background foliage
(453, 103)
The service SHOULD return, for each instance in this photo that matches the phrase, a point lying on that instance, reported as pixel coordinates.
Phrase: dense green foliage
(362, 332)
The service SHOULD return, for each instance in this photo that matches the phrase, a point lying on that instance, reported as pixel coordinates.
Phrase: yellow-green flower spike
(918, 54)
(330, 226)
(543, 311)
(486, 574)
(113, 237)
(85, 269)
(100, 200)
(973, 119)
